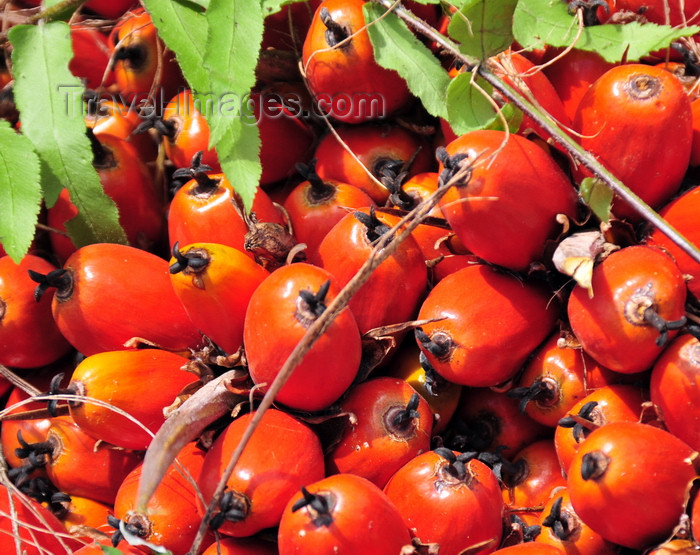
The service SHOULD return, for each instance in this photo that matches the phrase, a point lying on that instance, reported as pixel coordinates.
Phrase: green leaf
(540, 22)
(483, 27)
(597, 196)
(396, 47)
(182, 26)
(20, 192)
(109, 550)
(468, 108)
(231, 54)
(49, 100)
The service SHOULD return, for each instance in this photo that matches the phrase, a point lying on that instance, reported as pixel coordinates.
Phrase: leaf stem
(550, 126)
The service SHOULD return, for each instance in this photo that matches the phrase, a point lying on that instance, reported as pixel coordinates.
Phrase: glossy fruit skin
(104, 277)
(282, 455)
(216, 296)
(580, 540)
(610, 325)
(375, 145)
(313, 210)
(126, 179)
(529, 549)
(393, 292)
(242, 546)
(91, 54)
(364, 520)
(39, 530)
(491, 323)
(442, 396)
(519, 73)
(146, 69)
(142, 383)
(695, 151)
(488, 420)
(29, 336)
(614, 403)
(349, 71)
(456, 512)
(207, 213)
(277, 318)
(642, 462)
(191, 133)
(79, 465)
(673, 388)
(681, 213)
(624, 119)
(83, 513)
(671, 12)
(507, 210)
(573, 74)
(171, 518)
(537, 475)
(565, 375)
(373, 446)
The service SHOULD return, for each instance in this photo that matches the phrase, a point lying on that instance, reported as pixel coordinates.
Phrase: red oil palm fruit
(171, 518)
(395, 289)
(681, 213)
(533, 475)
(214, 283)
(625, 118)
(637, 306)
(483, 325)
(282, 455)
(672, 388)
(78, 464)
(613, 403)
(140, 383)
(93, 286)
(341, 514)
(140, 60)
(370, 153)
(606, 480)
(338, 61)
(208, 209)
(280, 311)
(555, 380)
(507, 209)
(462, 490)
(29, 336)
(316, 205)
(391, 425)
(561, 527)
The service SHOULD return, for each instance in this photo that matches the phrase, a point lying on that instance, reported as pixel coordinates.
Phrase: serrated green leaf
(483, 27)
(49, 100)
(20, 192)
(231, 55)
(182, 26)
(597, 196)
(239, 156)
(540, 22)
(468, 108)
(396, 47)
